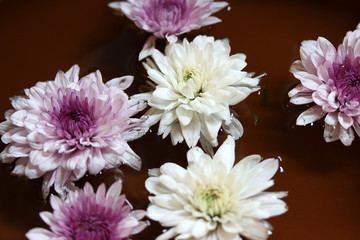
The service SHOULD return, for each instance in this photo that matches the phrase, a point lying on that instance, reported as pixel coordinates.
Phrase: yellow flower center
(212, 200)
(192, 79)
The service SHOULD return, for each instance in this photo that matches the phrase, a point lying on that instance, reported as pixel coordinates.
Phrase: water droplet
(100, 173)
(259, 92)
(228, 8)
(281, 169)
(280, 159)
(150, 130)
(269, 232)
(311, 124)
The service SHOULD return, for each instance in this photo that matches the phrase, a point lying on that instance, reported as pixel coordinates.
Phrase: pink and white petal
(345, 120)
(131, 159)
(114, 190)
(299, 89)
(18, 117)
(328, 50)
(297, 66)
(331, 118)
(357, 127)
(95, 162)
(346, 136)
(20, 165)
(332, 100)
(121, 82)
(302, 98)
(148, 48)
(331, 132)
(306, 49)
(311, 115)
(73, 74)
(308, 80)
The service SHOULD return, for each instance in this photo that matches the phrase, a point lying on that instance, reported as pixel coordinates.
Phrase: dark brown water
(40, 37)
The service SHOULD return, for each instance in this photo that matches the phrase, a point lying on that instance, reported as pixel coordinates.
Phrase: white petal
(226, 153)
(39, 234)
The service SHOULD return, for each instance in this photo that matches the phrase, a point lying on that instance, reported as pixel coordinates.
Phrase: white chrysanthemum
(211, 199)
(195, 84)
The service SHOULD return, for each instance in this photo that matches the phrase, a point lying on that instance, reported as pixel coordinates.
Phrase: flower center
(74, 119)
(167, 13)
(191, 82)
(347, 80)
(87, 220)
(212, 200)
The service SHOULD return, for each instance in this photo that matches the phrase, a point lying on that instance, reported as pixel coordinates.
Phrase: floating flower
(331, 79)
(86, 215)
(63, 128)
(211, 199)
(168, 18)
(195, 84)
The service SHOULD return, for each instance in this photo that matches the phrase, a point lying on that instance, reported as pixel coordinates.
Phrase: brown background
(40, 37)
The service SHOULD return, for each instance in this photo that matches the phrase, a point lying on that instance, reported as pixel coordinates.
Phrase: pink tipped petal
(309, 116)
(345, 121)
(148, 48)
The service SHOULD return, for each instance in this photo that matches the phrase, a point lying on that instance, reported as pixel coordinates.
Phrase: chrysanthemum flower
(168, 18)
(86, 215)
(195, 84)
(63, 128)
(331, 79)
(211, 199)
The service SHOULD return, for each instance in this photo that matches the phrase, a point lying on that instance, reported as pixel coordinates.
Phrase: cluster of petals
(168, 18)
(212, 199)
(330, 79)
(63, 128)
(195, 83)
(89, 215)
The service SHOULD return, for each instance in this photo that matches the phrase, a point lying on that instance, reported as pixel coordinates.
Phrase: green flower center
(212, 200)
(190, 82)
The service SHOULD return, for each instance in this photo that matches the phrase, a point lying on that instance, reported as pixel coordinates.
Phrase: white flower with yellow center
(196, 83)
(211, 199)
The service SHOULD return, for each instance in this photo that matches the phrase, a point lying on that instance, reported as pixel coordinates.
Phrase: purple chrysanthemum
(168, 18)
(64, 128)
(86, 215)
(331, 79)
